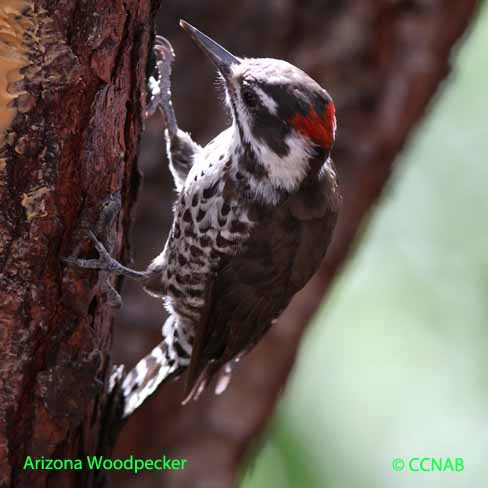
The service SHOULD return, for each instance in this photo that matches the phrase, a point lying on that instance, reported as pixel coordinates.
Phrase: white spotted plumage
(192, 252)
(220, 186)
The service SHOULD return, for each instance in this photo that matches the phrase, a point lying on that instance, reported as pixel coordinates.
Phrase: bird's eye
(250, 98)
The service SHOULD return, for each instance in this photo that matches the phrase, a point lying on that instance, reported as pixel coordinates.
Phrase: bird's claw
(107, 262)
(112, 295)
(160, 87)
(104, 262)
(163, 48)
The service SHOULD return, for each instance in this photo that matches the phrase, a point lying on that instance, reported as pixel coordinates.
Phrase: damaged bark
(72, 95)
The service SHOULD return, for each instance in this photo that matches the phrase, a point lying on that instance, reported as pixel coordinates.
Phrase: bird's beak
(222, 58)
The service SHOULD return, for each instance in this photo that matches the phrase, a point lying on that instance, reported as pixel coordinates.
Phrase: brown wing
(252, 289)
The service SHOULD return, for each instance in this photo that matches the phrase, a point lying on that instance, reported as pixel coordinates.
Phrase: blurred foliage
(395, 365)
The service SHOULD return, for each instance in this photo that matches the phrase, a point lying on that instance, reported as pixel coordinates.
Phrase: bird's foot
(160, 88)
(111, 294)
(104, 262)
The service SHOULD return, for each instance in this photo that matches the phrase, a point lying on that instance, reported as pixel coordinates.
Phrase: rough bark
(382, 62)
(75, 88)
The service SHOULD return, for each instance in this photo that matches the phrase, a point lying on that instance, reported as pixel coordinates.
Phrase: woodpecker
(254, 215)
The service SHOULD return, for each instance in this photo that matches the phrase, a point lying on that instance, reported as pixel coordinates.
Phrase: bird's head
(284, 117)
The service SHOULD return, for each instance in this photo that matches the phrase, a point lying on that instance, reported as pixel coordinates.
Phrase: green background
(395, 364)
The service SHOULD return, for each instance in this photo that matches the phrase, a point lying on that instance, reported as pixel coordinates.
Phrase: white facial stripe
(266, 100)
(289, 171)
(286, 172)
(283, 172)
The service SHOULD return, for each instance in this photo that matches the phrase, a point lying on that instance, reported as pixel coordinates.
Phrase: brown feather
(252, 288)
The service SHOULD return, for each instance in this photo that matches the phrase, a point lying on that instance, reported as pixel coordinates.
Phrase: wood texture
(69, 158)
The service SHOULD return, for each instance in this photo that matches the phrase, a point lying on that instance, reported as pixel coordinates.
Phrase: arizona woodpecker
(255, 212)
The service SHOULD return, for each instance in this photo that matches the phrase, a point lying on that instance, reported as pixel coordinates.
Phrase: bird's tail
(154, 368)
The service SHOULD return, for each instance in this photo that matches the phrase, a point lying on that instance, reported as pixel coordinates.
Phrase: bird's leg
(105, 262)
(179, 144)
(160, 88)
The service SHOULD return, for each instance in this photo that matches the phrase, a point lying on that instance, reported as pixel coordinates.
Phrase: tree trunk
(72, 95)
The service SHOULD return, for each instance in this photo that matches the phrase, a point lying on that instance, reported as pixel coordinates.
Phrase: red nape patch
(319, 127)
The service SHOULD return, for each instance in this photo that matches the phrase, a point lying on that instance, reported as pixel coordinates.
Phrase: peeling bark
(67, 155)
